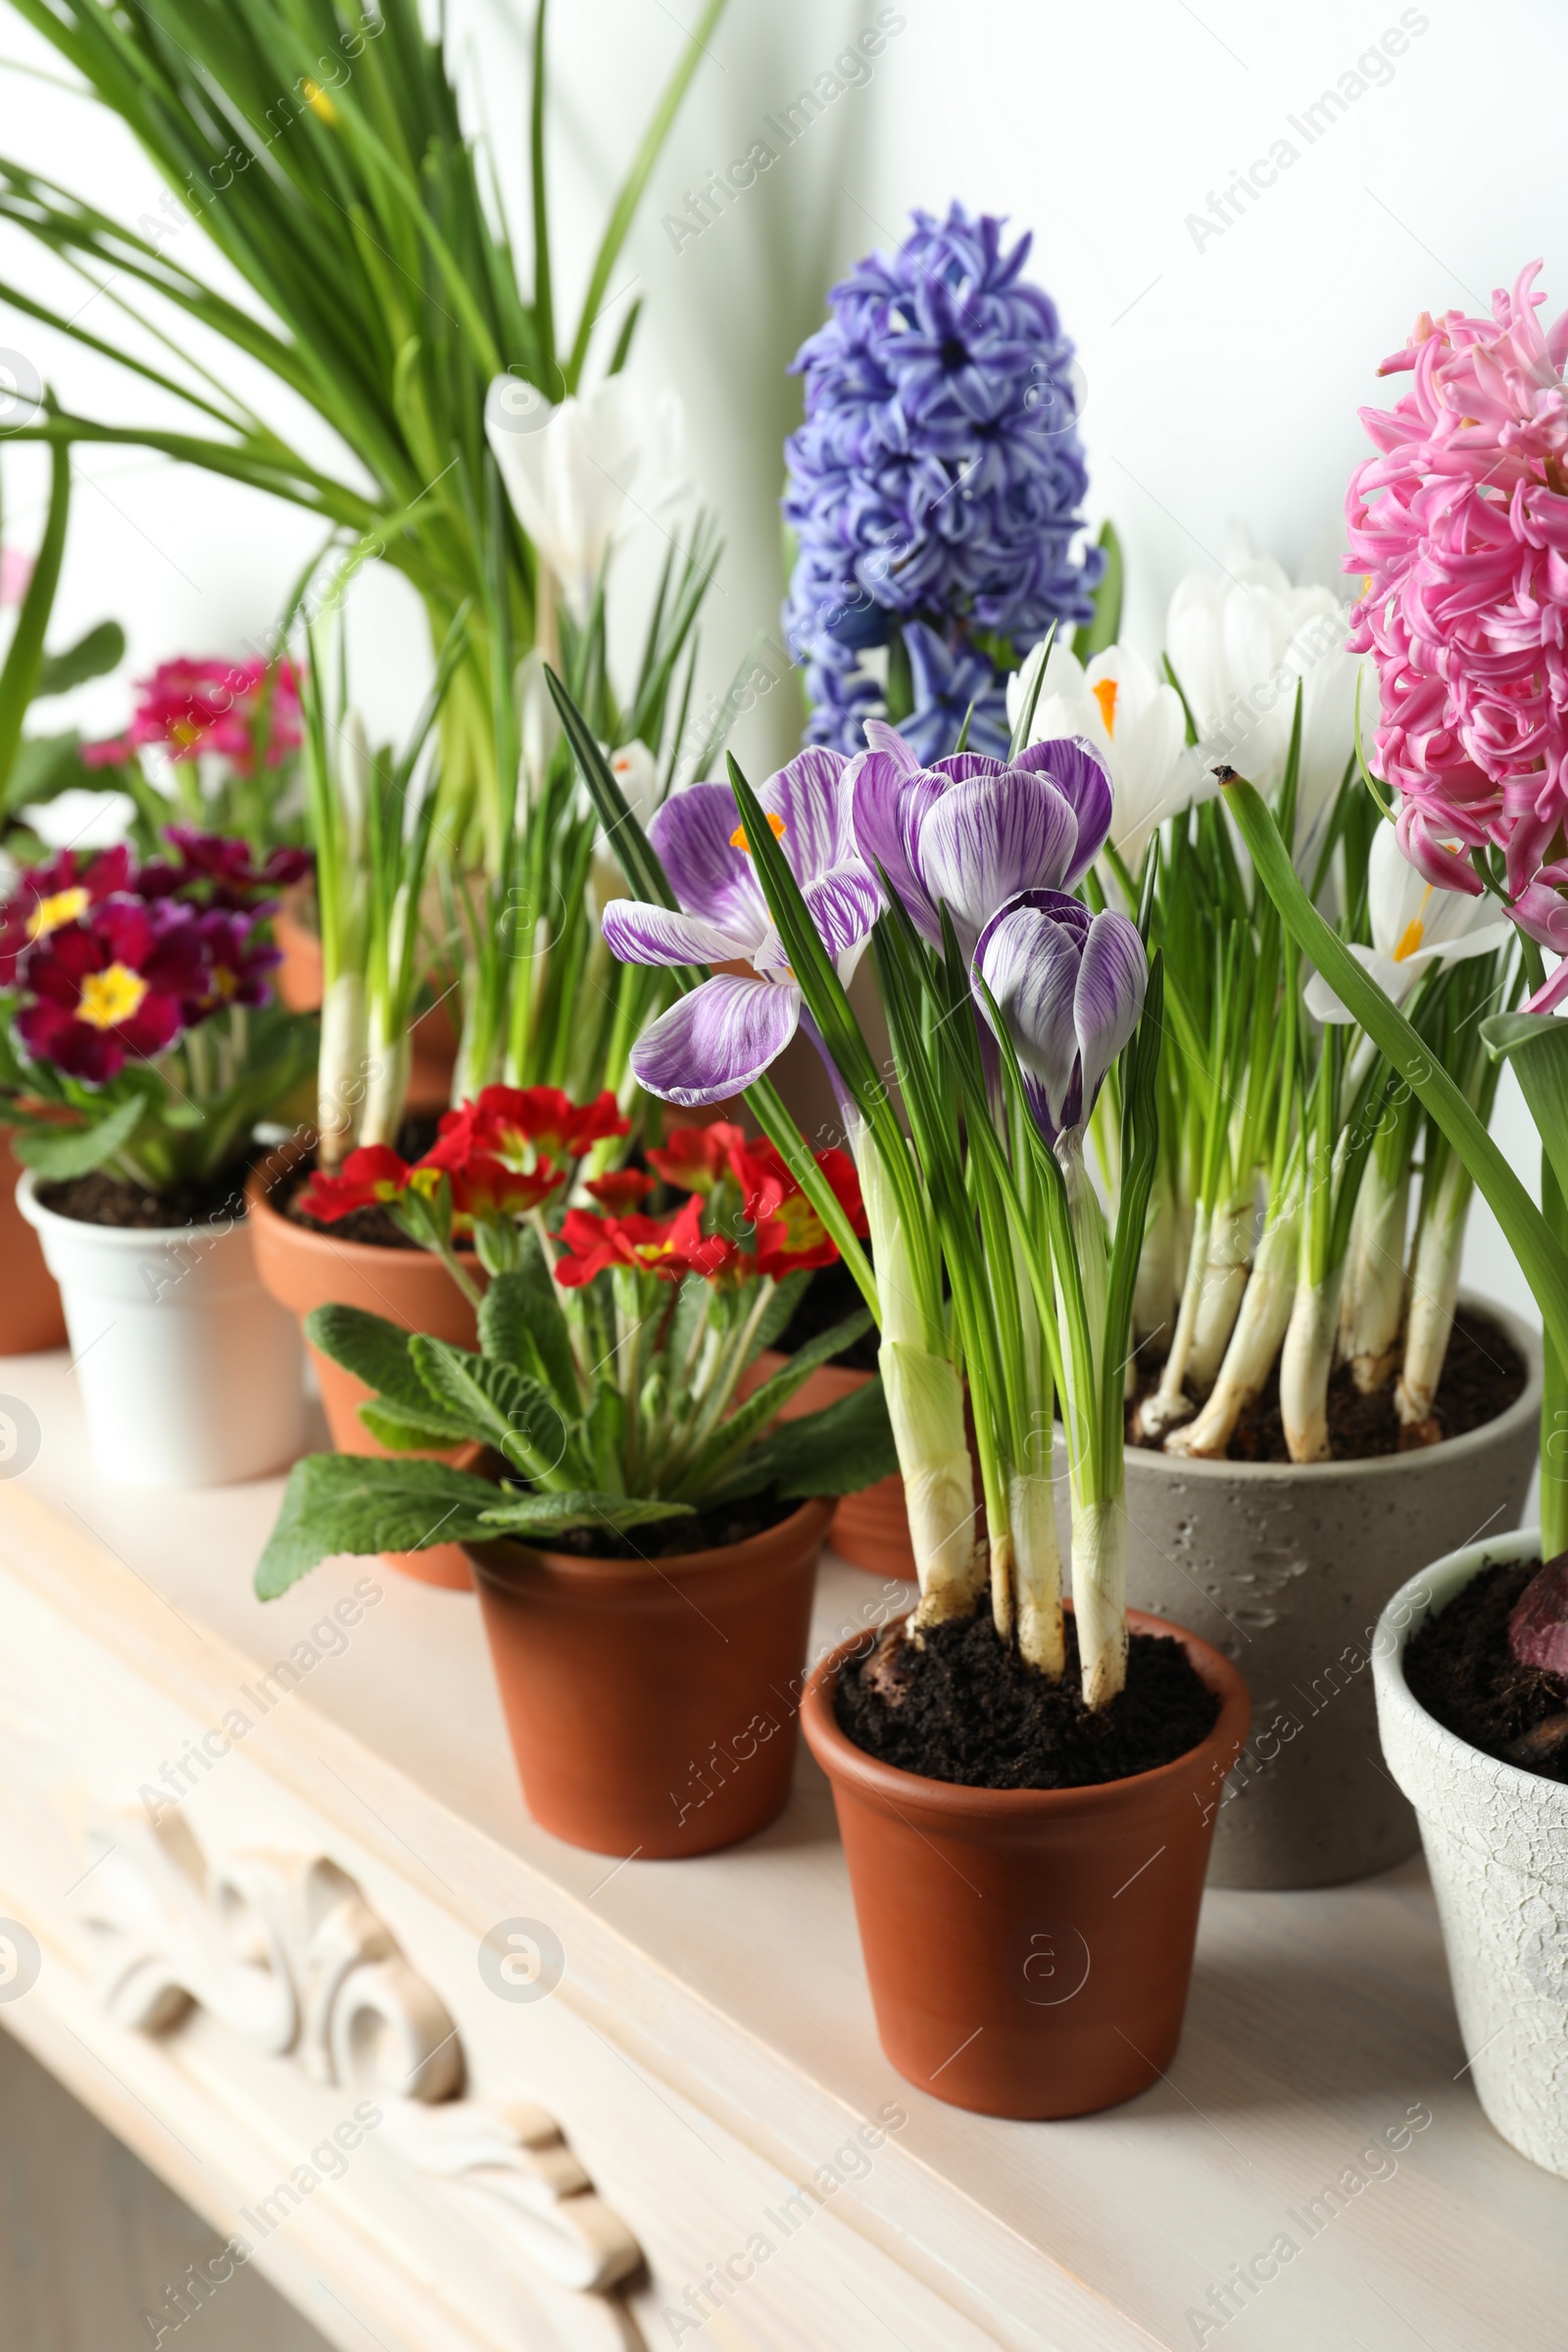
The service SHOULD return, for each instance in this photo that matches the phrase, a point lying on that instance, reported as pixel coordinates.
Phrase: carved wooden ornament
(284, 1951)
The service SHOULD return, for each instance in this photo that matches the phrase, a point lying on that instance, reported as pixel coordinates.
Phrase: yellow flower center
(186, 732)
(1415, 930)
(317, 99)
(1104, 694)
(49, 913)
(738, 839)
(110, 997)
(802, 1227)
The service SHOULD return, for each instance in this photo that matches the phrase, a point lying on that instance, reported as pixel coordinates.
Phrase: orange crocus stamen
(1104, 694)
(738, 839)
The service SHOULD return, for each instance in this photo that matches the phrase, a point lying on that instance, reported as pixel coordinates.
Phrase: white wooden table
(709, 2047)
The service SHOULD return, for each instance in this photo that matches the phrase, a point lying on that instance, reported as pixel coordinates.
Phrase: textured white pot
(1496, 1843)
(191, 1376)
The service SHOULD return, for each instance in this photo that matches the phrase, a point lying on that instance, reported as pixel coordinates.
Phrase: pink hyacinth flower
(1460, 526)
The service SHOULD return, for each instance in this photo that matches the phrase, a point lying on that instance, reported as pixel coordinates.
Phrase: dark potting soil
(372, 1226)
(99, 1198)
(962, 1707)
(668, 1539)
(1461, 1670)
(1483, 1374)
(830, 1297)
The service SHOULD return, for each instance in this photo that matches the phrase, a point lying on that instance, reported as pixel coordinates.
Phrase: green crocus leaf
(1538, 1047)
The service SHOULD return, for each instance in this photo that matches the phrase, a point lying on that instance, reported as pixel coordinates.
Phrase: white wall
(1224, 371)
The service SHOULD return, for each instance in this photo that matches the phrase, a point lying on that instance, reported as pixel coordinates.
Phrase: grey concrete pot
(1285, 1569)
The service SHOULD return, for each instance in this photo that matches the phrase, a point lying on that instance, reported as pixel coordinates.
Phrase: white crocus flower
(1239, 645)
(568, 469)
(538, 730)
(1132, 720)
(636, 771)
(1413, 925)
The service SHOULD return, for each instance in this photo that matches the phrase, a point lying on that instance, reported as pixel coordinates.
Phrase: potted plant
(1301, 1375)
(35, 770)
(886, 616)
(871, 1528)
(141, 1047)
(985, 1733)
(1452, 524)
(382, 853)
(646, 1547)
(394, 1236)
(361, 150)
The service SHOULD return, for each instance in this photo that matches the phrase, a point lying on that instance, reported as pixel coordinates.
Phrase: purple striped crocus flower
(1069, 987)
(969, 832)
(716, 1041)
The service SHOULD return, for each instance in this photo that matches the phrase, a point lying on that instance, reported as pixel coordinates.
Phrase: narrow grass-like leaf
(1540, 1255)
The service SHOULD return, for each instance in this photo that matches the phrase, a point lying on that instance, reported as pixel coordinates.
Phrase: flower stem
(1222, 1285)
(342, 1053)
(1305, 1362)
(1554, 1397)
(1168, 1405)
(1100, 1595)
(1434, 1295)
(1037, 1571)
(1372, 1300)
(1260, 1327)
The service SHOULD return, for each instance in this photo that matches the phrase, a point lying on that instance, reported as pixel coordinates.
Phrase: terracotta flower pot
(1029, 1949)
(303, 1270)
(298, 978)
(31, 1316)
(1284, 1567)
(871, 1530)
(648, 1704)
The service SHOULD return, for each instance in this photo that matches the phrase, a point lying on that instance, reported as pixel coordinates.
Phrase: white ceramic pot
(191, 1376)
(1496, 1844)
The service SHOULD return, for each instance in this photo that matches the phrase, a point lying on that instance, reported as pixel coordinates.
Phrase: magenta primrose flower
(112, 988)
(110, 965)
(60, 890)
(191, 705)
(216, 869)
(1460, 526)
